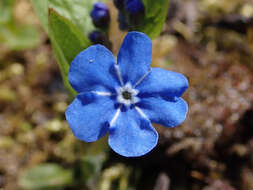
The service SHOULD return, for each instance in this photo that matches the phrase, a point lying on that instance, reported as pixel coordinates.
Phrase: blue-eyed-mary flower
(124, 98)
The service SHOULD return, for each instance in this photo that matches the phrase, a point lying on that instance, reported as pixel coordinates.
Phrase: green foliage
(41, 8)
(17, 37)
(77, 11)
(12, 35)
(46, 177)
(67, 42)
(91, 168)
(155, 15)
(6, 11)
(119, 173)
(67, 36)
(91, 163)
(67, 24)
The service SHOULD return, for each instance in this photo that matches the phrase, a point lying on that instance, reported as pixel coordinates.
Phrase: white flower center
(127, 95)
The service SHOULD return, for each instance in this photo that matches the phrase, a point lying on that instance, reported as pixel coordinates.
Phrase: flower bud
(97, 37)
(119, 3)
(134, 6)
(123, 21)
(100, 15)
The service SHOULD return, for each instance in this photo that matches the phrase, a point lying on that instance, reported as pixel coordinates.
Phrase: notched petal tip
(164, 83)
(134, 153)
(169, 113)
(132, 135)
(181, 114)
(183, 83)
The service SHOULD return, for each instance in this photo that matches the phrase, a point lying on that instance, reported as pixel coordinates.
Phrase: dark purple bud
(100, 15)
(123, 21)
(134, 6)
(119, 3)
(97, 37)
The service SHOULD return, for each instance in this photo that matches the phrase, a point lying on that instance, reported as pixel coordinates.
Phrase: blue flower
(123, 99)
(134, 6)
(100, 15)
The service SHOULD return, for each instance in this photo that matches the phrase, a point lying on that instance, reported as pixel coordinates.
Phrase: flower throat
(127, 95)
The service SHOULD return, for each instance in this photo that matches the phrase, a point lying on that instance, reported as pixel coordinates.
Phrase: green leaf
(91, 168)
(67, 23)
(12, 35)
(155, 16)
(41, 8)
(67, 41)
(63, 65)
(18, 37)
(77, 11)
(6, 7)
(46, 177)
(67, 36)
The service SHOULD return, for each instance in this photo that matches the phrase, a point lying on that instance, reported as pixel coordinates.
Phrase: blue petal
(169, 113)
(89, 116)
(135, 56)
(132, 135)
(160, 82)
(93, 69)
